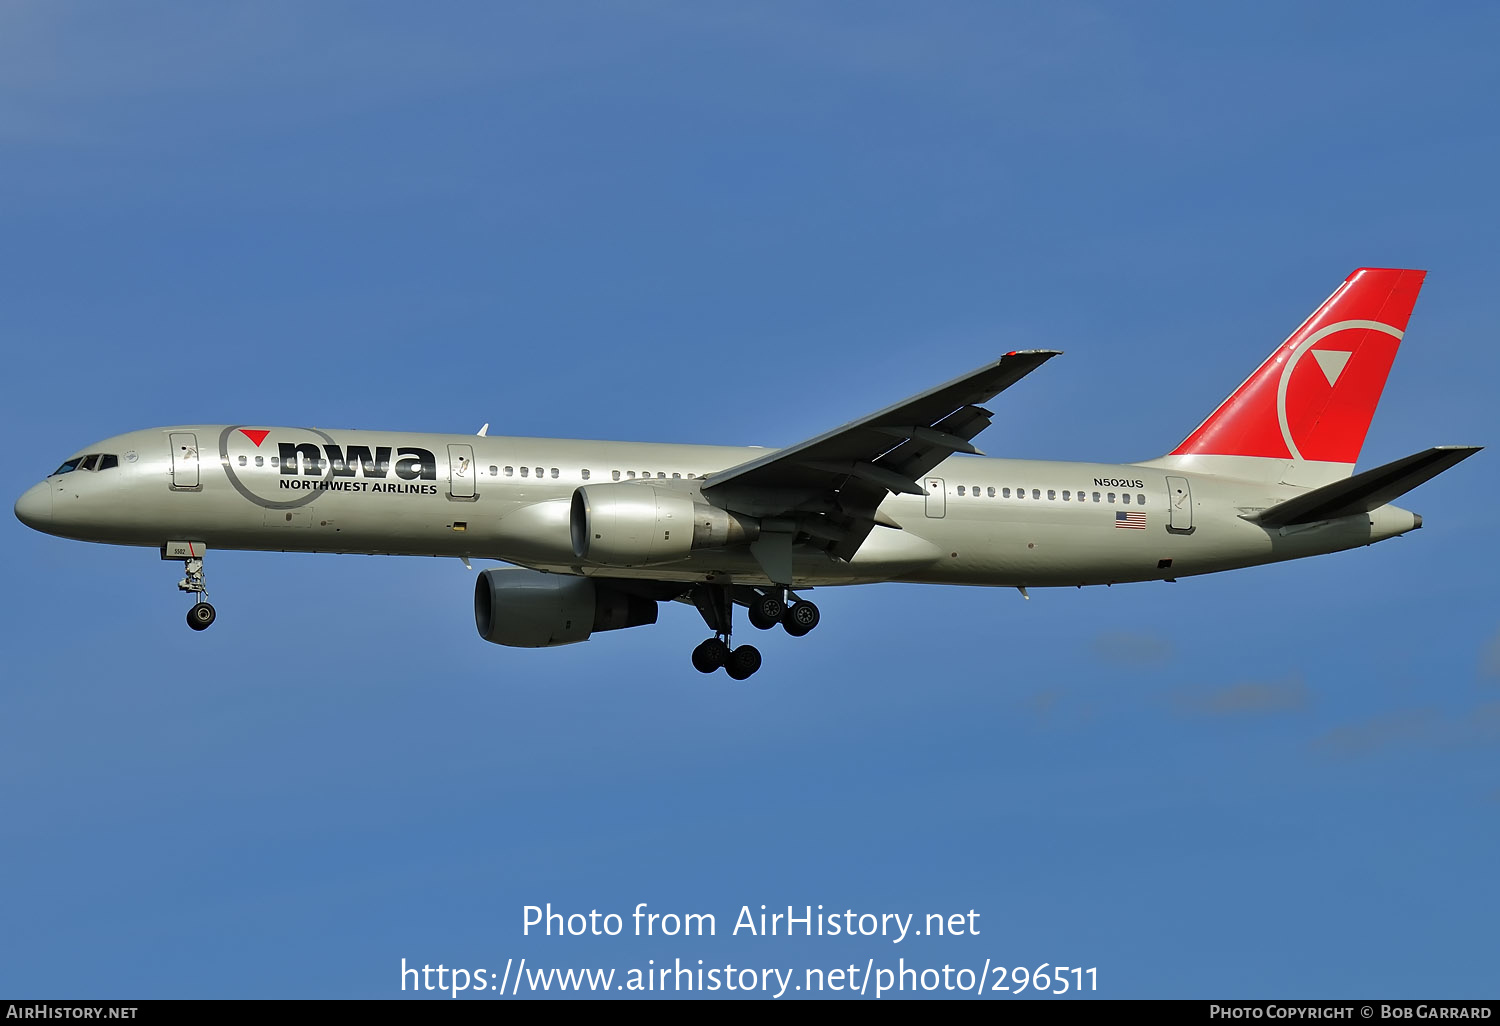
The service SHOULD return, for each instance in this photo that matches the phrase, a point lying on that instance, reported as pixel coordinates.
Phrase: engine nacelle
(641, 524)
(528, 609)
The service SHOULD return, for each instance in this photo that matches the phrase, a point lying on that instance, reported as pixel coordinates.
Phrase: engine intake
(528, 609)
(640, 524)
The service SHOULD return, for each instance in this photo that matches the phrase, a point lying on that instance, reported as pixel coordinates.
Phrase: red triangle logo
(255, 436)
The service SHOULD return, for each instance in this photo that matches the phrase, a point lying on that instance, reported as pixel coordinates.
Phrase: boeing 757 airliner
(600, 533)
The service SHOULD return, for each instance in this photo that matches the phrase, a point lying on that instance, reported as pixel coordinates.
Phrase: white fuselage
(997, 522)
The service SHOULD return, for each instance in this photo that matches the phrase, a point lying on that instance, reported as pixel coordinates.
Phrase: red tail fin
(1312, 400)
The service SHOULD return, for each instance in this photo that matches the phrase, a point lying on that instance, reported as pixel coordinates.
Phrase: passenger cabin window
(1051, 495)
(960, 489)
(1125, 498)
(1140, 500)
(538, 471)
(1005, 493)
(554, 473)
(244, 461)
(992, 491)
(585, 475)
(630, 474)
(494, 470)
(1096, 496)
(524, 471)
(260, 461)
(1066, 495)
(615, 475)
(1036, 493)
(510, 471)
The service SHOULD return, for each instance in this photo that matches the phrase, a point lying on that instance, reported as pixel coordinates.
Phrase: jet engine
(641, 524)
(528, 609)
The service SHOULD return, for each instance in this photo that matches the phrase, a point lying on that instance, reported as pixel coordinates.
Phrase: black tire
(201, 616)
(743, 662)
(766, 612)
(800, 619)
(710, 655)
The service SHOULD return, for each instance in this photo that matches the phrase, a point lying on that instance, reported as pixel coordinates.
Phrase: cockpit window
(93, 461)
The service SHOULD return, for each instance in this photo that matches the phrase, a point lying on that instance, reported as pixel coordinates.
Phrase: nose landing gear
(202, 615)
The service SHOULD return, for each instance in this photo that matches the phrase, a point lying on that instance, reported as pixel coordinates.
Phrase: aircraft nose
(34, 509)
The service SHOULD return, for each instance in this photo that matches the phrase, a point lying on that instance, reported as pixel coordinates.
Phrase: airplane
(598, 534)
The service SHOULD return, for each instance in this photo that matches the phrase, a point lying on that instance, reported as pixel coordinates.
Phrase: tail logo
(1332, 363)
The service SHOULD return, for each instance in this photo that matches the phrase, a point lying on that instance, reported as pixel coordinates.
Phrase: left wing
(829, 487)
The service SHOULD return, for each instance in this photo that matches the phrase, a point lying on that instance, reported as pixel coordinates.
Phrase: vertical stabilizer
(1301, 418)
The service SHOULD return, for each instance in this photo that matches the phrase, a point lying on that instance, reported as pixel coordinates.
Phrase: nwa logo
(299, 472)
(412, 463)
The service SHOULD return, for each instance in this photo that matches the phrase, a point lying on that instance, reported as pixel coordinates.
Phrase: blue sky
(742, 224)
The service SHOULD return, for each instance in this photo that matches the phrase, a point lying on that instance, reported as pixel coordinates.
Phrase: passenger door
(461, 472)
(1179, 504)
(184, 445)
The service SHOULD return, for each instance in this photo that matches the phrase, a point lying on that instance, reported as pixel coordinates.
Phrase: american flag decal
(1131, 519)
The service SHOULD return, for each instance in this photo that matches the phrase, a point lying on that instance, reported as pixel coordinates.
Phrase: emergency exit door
(937, 498)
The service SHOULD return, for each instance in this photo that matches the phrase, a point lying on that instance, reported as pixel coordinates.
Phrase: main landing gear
(767, 609)
(202, 615)
(716, 604)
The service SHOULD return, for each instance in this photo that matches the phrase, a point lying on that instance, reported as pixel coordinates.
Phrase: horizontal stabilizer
(1367, 491)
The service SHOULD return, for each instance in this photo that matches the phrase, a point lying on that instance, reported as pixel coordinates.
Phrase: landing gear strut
(202, 615)
(717, 608)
